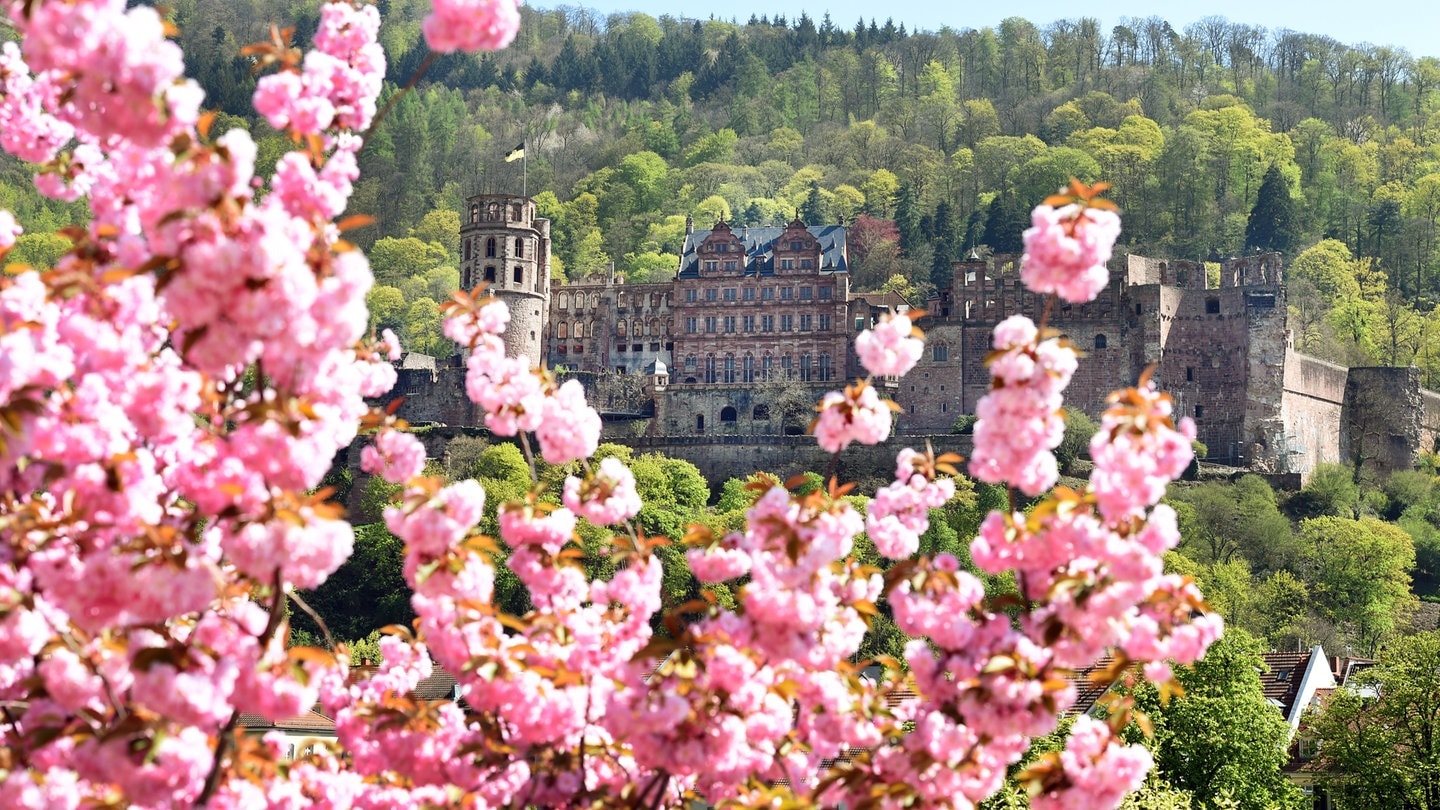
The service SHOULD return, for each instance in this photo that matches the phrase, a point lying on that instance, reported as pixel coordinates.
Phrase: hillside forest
(1220, 139)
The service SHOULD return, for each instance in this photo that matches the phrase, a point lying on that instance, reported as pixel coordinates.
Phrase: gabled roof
(312, 722)
(759, 243)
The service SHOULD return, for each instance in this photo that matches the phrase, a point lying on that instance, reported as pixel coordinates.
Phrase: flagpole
(525, 175)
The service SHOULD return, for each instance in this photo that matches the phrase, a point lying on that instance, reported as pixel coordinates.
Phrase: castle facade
(758, 322)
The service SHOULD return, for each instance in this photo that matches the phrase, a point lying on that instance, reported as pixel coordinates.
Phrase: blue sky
(1410, 24)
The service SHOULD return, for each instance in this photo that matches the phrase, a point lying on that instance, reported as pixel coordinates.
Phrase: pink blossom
(9, 230)
(396, 456)
(890, 349)
(471, 25)
(605, 497)
(1066, 250)
(856, 415)
(569, 428)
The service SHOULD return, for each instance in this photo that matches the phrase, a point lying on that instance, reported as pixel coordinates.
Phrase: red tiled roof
(1282, 682)
(312, 722)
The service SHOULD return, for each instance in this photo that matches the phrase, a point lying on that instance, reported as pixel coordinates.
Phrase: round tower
(507, 248)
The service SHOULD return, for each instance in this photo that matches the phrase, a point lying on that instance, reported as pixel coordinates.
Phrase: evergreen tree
(1272, 221)
(815, 211)
(907, 218)
(1003, 226)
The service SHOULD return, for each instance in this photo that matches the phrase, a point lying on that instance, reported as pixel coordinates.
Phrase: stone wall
(1311, 408)
(723, 457)
(1383, 419)
(1430, 424)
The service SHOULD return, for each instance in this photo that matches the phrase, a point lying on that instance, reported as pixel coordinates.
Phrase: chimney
(689, 225)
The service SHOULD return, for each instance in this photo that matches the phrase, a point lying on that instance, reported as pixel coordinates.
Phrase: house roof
(759, 245)
(312, 722)
(1281, 683)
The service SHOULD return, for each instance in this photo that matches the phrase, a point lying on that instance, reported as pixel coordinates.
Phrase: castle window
(824, 323)
(712, 266)
(787, 323)
(710, 294)
(690, 325)
(519, 248)
(825, 293)
(690, 364)
(710, 368)
(805, 367)
(749, 294)
(490, 248)
(1101, 342)
(940, 353)
(859, 323)
(1189, 374)
(824, 367)
(787, 293)
(654, 330)
(732, 265)
(785, 367)
(564, 301)
(767, 323)
(579, 330)
(729, 293)
(474, 214)
(761, 413)
(692, 295)
(699, 423)
(620, 328)
(729, 368)
(1137, 309)
(1199, 411)
(767, 367)
(805, 323)
(787, 264)
(727, 414)
(806, 264)
(767, 294)
(747, 372)
(519, 274)
(748, 323)
(710, 324)
(468, 242)
(805, 293)
(944, 407)
(519, 215)
(1212, 306)
(637, 328)
(729, 323)
(562, 330)
(490, 273)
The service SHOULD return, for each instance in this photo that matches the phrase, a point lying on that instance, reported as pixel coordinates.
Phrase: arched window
(637, 328)
(1101, 342)
(563, 331)
(710, 374)
(468, 242)
(564, 300)
(690, 364)
(824, 367)
(519, 248)
(786, 369)
(767, 366)
(654, 327)
(805, 367)
(728, 414)
(594, 300)
(747, 372)
(620, 328)
(940, 352)
(474, 213)
(579, 330)
(490, 248)
(729, 368)
(761, 412)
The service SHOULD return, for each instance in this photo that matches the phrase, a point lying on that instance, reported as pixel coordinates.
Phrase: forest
(1220, 139)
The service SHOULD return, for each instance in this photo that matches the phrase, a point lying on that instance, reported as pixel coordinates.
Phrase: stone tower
(506, 247)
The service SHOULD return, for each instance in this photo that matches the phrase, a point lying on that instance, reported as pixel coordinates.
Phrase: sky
(1410, 24)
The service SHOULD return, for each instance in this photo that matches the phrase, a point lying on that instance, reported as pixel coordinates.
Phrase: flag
(516, 153)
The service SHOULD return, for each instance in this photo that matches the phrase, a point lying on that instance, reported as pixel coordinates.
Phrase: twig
(529, 456)
(309, 611)
(394, 97)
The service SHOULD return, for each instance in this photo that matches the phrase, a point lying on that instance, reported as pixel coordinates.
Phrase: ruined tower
(505, 246)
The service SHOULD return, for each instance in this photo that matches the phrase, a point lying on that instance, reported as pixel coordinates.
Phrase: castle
(758, 322)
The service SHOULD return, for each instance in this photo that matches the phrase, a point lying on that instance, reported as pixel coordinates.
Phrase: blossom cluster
(173, 391)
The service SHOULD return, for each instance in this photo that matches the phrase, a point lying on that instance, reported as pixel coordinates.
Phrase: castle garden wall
(1311, 408)
(1383, 418)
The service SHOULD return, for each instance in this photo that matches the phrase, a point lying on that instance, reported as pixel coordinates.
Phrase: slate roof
(760, 249)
